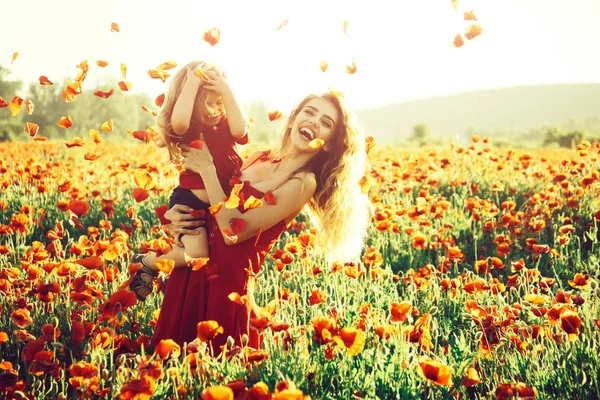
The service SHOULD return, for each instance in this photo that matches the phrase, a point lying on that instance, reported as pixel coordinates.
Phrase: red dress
(194, 296)
(221, 143)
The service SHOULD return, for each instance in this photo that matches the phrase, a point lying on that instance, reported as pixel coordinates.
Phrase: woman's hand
(182, 221)
(197, 160)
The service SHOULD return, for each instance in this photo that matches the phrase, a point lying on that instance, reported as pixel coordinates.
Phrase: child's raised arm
(182, 111)
(235, 118)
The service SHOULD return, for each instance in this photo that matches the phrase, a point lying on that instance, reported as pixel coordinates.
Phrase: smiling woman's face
(317, 119)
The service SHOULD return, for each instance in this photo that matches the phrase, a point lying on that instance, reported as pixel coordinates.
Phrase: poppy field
(479, 280)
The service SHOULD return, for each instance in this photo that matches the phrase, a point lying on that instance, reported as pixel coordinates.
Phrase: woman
(298, 173)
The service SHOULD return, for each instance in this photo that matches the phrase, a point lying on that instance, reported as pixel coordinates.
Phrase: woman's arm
(290, 198)
(182, 111)
(235, 118)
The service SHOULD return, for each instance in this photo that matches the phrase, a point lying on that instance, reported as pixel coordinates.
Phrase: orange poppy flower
(400, 311)
(259, 391)
(167, 348)
(21, 318)
(324, 330)
(476, 286)
(139, 194)
(525, 392)
(387, 331)
(354, 271)
(505, 391)
(372, 257)
(254, 355)
(455, 254)
(419, 241)
(138, 389)
(351, 338)
(83, 369)
(471, 377)
(421, 332)
(535, 298)
(47, 291)
(118, 302)
(32, 348)
(261, 322)
(19, 223)
(435, 372)
(570, 323)
(50, 332)
(208, 330)
(497, 263)
(290, 394)
(579, 281)
(217, 393)
(79, 207)
(317, 297)
(481, 267)
(540, 248)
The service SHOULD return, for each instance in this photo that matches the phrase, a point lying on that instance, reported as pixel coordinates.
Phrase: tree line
(87, 111)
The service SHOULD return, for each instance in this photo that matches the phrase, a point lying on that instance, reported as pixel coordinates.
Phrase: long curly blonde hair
(338, 209)
(167, 137)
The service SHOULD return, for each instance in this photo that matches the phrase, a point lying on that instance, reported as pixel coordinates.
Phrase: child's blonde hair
(167, 137)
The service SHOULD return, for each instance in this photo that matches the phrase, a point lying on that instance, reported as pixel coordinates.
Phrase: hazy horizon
(403, 51)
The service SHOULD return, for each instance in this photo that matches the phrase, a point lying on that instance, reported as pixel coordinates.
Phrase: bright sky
(402, 48)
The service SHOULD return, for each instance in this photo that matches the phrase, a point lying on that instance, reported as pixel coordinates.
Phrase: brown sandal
(141, 283)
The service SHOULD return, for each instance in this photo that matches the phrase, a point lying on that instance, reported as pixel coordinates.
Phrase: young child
(195, 106)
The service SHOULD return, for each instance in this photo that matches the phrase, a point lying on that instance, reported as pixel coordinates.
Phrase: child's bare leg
(177, 254)
(196, 246)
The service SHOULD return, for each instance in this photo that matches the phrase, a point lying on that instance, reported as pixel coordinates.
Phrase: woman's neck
(291, 160)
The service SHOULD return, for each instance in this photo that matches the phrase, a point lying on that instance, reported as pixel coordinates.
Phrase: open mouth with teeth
(306, 133)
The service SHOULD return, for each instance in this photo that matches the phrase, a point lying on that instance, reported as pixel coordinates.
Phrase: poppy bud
(19, 395)
(535, 366)
(593, 285)
(529, 330)
(245, 339)
(230, 342)
(121, 359)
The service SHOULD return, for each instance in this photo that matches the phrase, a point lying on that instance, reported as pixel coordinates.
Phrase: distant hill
(508, 109)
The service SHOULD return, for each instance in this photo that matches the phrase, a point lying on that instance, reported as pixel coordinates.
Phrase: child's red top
(221, 143)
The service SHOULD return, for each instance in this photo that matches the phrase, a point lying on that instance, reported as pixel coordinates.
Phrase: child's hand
(191, 75)
(216, 82)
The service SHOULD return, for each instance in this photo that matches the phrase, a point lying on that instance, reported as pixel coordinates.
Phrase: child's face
(210, 109)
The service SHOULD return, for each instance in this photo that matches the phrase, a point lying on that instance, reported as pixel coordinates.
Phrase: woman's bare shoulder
(309, 181)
